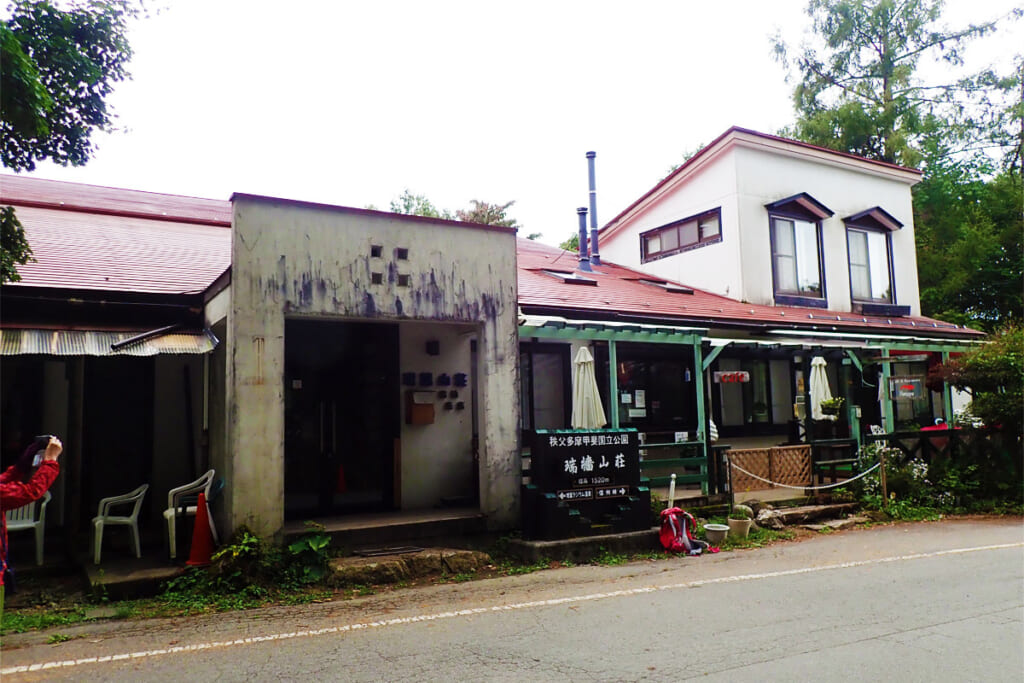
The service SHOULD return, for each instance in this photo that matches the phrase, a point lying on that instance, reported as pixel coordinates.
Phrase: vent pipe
(595, 256)
(584, 258)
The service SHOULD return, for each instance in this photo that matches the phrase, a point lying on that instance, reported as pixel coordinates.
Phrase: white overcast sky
(350, 103)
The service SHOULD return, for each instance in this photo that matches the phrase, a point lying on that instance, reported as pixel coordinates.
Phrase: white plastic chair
(103, 519)
(182, 502)
(20, 519)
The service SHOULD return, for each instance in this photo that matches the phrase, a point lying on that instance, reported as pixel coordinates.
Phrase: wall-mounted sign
(906, 387)
(731, 377)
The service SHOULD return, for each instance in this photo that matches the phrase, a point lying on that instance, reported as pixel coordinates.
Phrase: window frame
(797, 298)
(855, 227)
(702, 240)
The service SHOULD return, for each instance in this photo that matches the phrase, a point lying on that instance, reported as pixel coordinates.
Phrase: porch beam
(713, 355)
(856, 361)
(608, 334)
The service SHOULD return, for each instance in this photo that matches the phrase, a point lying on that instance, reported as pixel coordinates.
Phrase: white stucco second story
(767, 220)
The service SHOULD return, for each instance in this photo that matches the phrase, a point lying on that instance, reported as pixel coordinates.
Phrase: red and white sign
(732, 377)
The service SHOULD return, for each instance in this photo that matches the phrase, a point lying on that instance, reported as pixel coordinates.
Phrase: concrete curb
(347, 571)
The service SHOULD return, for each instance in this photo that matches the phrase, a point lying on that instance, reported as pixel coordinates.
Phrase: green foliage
(741, 512)
(832, 406)
(418, 205)
(58, 638)
(607, 558)
(37, 619)
(58, 65)
(248, 572)
(571, 244)
(14, 248)
(480, 212)
(860, 89)
(310, 555)
(488, 214)
(970, 245)
(994, 374)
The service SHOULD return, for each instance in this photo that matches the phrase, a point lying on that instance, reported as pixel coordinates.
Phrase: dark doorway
(341, 417)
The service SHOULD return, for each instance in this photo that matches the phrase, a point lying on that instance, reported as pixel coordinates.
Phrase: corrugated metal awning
(16, 342)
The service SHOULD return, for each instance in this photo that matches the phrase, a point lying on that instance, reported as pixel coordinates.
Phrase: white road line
(40, 666)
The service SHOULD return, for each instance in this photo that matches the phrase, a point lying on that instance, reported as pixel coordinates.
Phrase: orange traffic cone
(202, 539)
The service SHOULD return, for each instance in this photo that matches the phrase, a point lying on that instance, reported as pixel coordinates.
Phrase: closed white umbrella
(587, 412)
(820, 390)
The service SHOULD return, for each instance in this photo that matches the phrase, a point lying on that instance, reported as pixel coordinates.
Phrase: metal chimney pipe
(595, 256)
(584, 259)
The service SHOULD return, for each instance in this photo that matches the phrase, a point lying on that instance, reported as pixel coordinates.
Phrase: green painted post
(613, 384)
(947, 395)
(702, 422)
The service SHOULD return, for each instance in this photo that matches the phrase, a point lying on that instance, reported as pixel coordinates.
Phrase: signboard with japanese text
(731, 377)
(906, 387)
(567, 460)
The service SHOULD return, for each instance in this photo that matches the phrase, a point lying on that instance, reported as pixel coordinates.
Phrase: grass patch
(606, 558)
(58, 638)
(37, 618)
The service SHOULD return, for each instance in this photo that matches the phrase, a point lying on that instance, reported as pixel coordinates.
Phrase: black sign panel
(573, 459)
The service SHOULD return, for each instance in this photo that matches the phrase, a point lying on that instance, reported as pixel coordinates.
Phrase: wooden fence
(789, 465)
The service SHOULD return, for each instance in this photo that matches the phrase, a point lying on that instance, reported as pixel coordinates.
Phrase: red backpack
(677, 527)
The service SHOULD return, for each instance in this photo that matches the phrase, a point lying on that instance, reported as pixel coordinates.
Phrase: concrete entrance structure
(451, 290)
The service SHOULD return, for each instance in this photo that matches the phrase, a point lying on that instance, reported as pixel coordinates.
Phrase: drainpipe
(584, 258)
(595, 256)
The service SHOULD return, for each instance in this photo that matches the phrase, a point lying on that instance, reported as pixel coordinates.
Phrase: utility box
(419, 407)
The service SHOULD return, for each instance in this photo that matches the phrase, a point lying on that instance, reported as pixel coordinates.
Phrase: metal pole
(881, 470)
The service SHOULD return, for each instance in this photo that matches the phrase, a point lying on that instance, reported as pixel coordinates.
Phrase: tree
(571, 244)
(488, 214)
(479, 212)
(15, 250)
(970, 247)
(417, 205)
(994, 375)
(860, 89)
(57, 67)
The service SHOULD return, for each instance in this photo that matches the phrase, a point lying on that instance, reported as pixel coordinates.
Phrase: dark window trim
(802, 206)
(701, 241)
(792, 298)
(528, 349)
(888, 257)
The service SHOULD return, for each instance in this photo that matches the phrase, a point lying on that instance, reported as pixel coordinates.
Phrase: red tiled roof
(621, 292)
(95, 238)
(29, 191)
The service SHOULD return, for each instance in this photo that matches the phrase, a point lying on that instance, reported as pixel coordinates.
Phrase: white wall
(437, 459)
(714, 267)
(764, 177)
(741, 179)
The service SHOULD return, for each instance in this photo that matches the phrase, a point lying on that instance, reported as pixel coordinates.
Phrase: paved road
(923, 602)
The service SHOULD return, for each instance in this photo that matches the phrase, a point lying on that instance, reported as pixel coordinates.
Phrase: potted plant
(832, 406)
(741, 517)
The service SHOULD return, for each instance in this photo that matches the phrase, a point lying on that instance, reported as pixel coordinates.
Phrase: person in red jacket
(17, 488)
